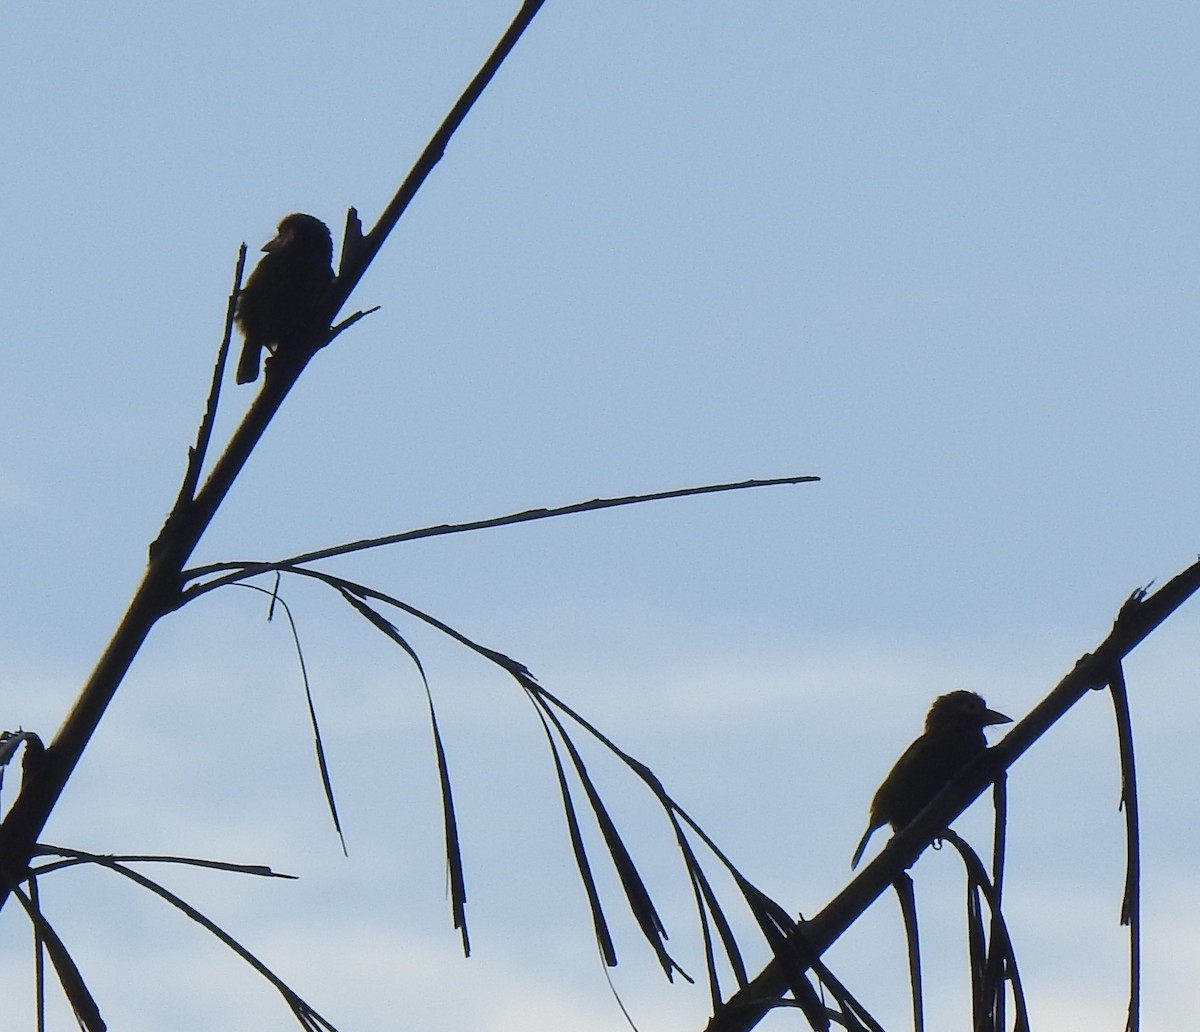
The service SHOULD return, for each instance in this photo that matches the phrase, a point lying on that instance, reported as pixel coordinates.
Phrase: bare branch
(1138, 617)
(240, 571)
(204, 436)
(358, 250)
(305, 1015)
(158, 592)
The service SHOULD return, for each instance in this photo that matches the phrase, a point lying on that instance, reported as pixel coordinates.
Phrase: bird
(283, 291)
(952, 738)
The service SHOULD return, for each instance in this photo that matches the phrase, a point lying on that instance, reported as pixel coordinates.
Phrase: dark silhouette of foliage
(1142, 613)
(796, 976)
(275, 312)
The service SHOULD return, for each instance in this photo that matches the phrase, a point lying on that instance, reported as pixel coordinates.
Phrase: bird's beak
(274, 243)
(991, 716)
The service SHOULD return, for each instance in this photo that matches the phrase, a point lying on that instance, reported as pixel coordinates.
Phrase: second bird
(282, 292)
(953, 737)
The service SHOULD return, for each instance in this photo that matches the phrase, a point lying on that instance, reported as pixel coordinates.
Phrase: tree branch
(1141, 614)
(159, 591)
(239, 571)
(358, 250)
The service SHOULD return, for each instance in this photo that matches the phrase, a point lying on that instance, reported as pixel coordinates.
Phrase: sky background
(943, 257)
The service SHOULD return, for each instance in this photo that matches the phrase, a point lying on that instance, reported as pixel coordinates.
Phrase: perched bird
(953, 737)
(282, 292)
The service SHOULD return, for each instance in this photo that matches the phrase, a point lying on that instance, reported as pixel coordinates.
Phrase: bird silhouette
(281, 295)
(952, 738)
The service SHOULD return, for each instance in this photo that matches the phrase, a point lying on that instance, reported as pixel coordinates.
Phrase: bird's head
(962, 709)
(300, 232)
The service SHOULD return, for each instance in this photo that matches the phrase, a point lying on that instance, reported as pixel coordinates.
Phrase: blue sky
(944, 258)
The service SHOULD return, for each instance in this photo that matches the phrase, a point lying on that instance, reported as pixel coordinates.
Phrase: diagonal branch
(358, 250)
(159, 591)
(307, 1017)
(1138, 617)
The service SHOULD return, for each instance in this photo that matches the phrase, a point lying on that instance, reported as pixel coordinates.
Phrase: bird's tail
(247, 370)
(862, 846)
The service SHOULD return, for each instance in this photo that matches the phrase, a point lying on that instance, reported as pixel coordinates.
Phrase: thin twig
(87, 1013)
(240, 571)
(74, 857)
(309, 1017)
(204, 435)
(318, 741)
(357, 250)
(1131, 910)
